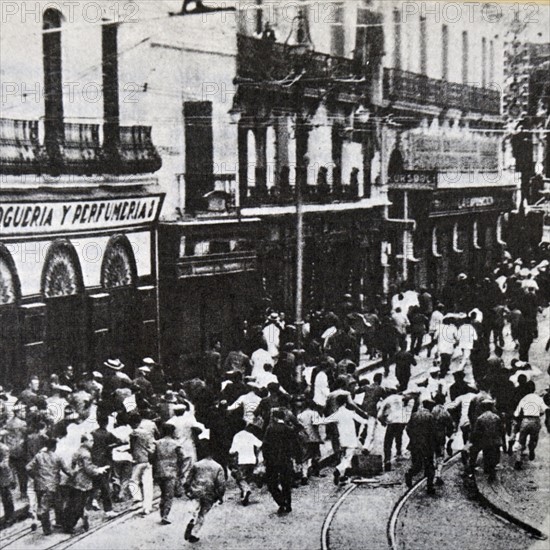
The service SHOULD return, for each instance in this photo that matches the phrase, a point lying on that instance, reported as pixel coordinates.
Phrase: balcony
(262, 60)
(421, 90)
(19, 147)
(136, 151)
(80, 152)
(311, 194)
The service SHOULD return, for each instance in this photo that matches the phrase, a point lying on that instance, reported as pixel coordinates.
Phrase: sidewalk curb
(507, 516)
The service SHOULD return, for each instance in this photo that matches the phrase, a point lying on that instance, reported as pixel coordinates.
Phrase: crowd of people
(265, 412)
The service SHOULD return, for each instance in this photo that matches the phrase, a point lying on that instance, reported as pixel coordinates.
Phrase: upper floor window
(397, 39)
(465, 57)
(337, 31)
(491, 62)
(445, 52)
(53, 84)
(423, 46)
(483, 62)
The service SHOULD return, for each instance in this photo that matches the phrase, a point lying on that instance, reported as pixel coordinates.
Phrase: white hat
(144, 369)
(149, 361)
(97, 374)
(114, 364)
(65, 389)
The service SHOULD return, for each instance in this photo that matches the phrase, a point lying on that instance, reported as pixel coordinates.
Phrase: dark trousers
(46, 501)
(18, 465)
(394, 432)
(279, 479)
(74, 507)
(491, 458)
(402, 339)
(7, 502)
(524, 345)
(403, 379)
(422, 460)
(416, 343)
(445, 363)
(167, 490)
(102, 484)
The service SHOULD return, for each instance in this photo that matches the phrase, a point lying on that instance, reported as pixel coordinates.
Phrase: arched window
(118, 269)
(62, 274)
(499, 231)
(456, 239)
(435, 243)
(396, 164)
(251, 160)
(10, 286)
(475, 236)
(53, 81)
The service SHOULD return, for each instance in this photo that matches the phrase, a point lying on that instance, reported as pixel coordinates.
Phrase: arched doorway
(10, 295)
(119, 279)
(63, 292)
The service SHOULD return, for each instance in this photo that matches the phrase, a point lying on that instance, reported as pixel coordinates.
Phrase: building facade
(443, 144)
(79, 204)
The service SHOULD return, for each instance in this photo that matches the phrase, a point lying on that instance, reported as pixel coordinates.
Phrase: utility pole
(299, 262)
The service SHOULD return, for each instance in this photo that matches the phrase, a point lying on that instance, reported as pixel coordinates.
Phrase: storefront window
(10, 289)
(119, 265)
(62, 274)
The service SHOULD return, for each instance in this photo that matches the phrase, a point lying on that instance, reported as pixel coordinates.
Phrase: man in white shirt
(401, 323)
(463, 401)
(345, 420)
(56, 403)
(528, 415)
(394, 413)
(321, 388)
(467, 336)
(244, 450)
(272, 334)
(436, 320)
(248, 403)
(446, 343)
(266, 377)
(258, 359)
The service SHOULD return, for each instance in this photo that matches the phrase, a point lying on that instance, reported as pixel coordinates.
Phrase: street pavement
(361, 520)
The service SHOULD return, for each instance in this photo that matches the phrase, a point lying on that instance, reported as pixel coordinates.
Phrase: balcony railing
(24, 151)
(19, 146)
(137, 152)
(419, 89)
(263, 60)
(81, 150)
(311, 194)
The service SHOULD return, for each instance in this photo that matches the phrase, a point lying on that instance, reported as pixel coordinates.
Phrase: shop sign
(476, 202)
(462, 203)
(413, 180)
(205, 266)
(444, 152)
(31, 218)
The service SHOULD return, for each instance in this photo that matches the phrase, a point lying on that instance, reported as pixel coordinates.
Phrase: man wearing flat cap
(487, 436)
(422, 444)
(142, 381)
